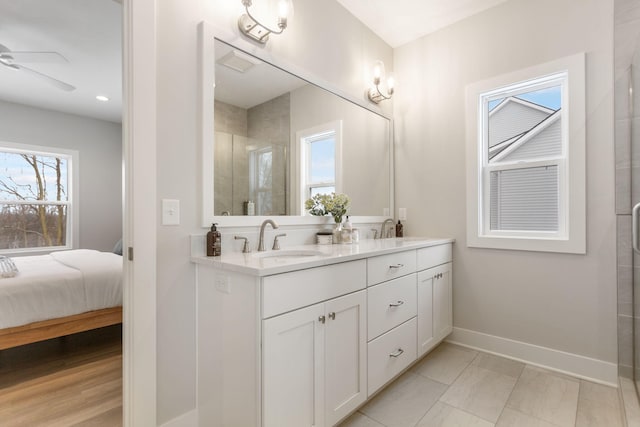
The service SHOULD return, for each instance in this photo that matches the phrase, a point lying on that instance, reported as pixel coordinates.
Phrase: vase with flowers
(332, 204)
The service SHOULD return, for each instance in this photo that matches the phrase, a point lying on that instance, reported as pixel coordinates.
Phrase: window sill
(537, 244)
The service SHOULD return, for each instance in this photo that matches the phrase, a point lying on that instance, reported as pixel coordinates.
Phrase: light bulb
(283, 9)
(390, 83)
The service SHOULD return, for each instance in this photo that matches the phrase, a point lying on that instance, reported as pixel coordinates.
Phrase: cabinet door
(426, 338)
(442, 301)
(345, 355)
(292, 368)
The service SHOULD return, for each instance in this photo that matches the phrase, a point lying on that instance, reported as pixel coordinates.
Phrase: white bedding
(60, 284)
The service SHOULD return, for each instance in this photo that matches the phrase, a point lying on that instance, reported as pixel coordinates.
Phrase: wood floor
(69, 381)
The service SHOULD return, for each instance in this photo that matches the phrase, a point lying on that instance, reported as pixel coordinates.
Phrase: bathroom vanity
(304, 336)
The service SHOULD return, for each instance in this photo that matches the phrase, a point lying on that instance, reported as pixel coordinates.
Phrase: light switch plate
(402, 214)
(170, 212)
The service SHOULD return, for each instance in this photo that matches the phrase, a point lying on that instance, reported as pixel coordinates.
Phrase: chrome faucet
(264, 224)
(384, 224)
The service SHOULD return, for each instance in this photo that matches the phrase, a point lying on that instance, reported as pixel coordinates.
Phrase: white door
(442, 302)
(292, 368)
(345, 355)
(139, 150)
(426, 338)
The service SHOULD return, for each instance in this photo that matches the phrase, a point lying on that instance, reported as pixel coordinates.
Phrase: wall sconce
(250, 27)
(375, 93)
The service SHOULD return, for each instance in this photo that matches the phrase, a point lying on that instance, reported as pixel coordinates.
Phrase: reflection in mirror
(279, 139)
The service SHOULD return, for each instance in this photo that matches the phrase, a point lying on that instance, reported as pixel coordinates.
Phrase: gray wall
(559, 301)
(100, 146)
(339, 56)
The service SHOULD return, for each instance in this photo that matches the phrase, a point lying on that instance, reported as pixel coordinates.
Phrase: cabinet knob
(396, 266)
(396, 304)
(321, 319)
(397, 353)
(332, 316)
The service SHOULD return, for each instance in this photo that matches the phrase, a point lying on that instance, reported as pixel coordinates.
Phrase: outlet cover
(402, 214)
(223, 284)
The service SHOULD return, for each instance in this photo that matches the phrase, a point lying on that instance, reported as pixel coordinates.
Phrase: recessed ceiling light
(102, 98)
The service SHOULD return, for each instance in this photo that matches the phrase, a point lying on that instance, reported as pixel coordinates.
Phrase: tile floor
(456, 386)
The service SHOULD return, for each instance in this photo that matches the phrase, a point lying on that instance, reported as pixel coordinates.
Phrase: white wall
(322, 38)
(562, 302)
(100, 146)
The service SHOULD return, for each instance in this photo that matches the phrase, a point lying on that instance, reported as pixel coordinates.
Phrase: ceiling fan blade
(34, 57)
(55, 82)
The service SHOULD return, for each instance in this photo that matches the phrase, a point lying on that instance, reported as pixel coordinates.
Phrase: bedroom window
(528, 144)
(35, 198)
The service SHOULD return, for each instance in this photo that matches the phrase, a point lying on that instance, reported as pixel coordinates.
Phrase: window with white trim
(319, 165)
(35, 198)
(528, 173)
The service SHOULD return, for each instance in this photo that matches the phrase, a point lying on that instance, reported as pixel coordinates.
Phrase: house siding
(513, 119)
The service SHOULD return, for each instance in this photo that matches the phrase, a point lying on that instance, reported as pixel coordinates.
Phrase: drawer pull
(396, 304)
(396, 266)
(332, 315)
(397, 353)
(321, 319)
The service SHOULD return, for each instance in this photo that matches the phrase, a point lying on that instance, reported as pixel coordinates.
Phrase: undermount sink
(292, 253)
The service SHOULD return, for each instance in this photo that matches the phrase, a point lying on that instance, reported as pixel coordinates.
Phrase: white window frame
(307, 137)
(571, 234)
(72, 225)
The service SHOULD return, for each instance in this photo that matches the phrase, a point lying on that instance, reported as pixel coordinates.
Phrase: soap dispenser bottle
(399, 229)
(214, 243)
(346, 232)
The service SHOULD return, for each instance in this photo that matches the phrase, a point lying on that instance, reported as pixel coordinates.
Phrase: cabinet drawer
(387, 267)
(390, 304)
(289, 291)
(390, 353)
(434, 255)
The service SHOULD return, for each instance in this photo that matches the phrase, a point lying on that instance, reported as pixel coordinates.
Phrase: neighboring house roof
(545, 134)
(512, 117)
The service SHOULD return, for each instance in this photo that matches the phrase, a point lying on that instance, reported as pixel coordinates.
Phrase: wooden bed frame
(53, 328)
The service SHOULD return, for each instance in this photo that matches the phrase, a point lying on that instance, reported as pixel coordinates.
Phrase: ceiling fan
(14, 61)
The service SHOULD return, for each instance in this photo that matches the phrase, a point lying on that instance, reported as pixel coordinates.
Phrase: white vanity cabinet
(435, 300)
(306, 346)
(314, 358)
(314, 363)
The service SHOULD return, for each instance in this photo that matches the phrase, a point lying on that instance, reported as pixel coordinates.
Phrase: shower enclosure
(249, 170)
(627, 148)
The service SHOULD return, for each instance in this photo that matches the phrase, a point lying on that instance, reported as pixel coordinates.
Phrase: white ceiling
(87, 33)
(400, 21)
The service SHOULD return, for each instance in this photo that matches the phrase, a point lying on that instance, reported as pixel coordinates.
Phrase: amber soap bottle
(214, 244)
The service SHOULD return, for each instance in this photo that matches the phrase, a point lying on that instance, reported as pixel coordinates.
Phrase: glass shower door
(633, 130)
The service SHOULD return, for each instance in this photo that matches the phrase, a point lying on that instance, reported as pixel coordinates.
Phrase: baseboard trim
(188, 419)
(583, 367)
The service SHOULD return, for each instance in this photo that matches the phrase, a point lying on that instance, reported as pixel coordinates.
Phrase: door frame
(139, 218)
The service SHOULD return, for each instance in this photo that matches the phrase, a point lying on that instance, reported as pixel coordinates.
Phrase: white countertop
(262, 264)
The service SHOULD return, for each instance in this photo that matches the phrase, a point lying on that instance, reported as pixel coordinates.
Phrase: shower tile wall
(266, 124)
(228, 119)
(627, 36)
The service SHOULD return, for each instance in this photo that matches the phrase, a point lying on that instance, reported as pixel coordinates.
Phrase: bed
(60, 294)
